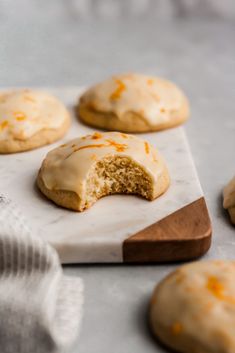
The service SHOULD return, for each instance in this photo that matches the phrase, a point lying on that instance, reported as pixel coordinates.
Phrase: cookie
(133, 103)
(30, 119)
(229, 199)
(193, 309)
(78, 173)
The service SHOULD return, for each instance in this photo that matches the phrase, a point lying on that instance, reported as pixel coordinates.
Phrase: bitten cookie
(229, 199)
(193, 309)
(30, 119)
(75, 175)
(133, 103)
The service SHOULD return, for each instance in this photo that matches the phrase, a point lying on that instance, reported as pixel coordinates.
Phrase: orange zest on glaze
(125, 136)
(85, 147)
(150, 81)
(96, 136)
(4, 124)
(120, 88)
(89, 146)
(64, 145)
(217, 289)
(146, 146)
(176, 328)
(20, 116)
(120, 147)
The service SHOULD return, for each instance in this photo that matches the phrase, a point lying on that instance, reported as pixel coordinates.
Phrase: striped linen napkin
(40, 308)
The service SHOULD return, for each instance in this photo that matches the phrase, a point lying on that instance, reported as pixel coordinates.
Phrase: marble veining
(97, 234)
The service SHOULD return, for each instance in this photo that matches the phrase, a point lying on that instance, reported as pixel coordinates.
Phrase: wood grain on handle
(183, 235)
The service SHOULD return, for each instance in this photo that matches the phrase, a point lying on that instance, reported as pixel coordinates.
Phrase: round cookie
(193, 309)
(75, 175)
(229, 199)
(133, 103)
(30, 119)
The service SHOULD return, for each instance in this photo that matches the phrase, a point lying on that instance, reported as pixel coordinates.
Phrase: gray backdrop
(55, 42)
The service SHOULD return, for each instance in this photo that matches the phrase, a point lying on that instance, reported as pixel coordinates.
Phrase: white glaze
(68, 166)
(97, 234)
(25, 112)
(202, 309)
(153, 98)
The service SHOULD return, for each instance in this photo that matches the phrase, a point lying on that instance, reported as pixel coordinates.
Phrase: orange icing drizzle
(217, 289)
(20, 116)
(4, 124)
(176, 328)
(120, 88)
(146, 146)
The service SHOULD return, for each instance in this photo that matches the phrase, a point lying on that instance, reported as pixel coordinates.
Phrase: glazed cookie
(75, 175)
(193, 309)
(30, 119)
(133, 103)
(229, 199)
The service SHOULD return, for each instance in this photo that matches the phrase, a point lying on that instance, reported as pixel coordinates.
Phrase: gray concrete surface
(56, 48)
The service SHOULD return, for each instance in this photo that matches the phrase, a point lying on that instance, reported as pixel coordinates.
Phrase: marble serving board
(100, 233)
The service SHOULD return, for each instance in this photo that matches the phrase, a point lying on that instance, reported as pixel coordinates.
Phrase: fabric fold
(40, 308)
